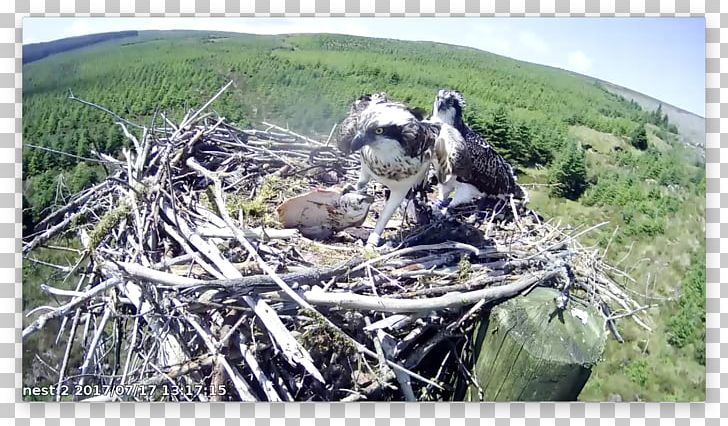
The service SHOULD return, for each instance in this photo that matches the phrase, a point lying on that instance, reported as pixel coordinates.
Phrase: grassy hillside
(692, 127)
(549, 123)
(35, 51)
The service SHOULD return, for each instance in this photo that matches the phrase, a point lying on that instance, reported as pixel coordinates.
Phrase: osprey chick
(468, 164)
(322, 212)
(395, 146)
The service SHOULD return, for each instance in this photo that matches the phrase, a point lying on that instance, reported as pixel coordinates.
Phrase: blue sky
(661, 57)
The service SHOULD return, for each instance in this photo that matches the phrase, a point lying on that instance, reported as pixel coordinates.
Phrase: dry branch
(448, 301)
(186, 265)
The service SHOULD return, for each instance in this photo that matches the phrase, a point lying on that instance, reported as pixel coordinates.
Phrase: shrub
(687, 326)
(639, 138)
(638, 371)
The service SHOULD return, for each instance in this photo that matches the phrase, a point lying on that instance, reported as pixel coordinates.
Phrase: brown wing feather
(348, 127)
(419, 137)
(492, 174)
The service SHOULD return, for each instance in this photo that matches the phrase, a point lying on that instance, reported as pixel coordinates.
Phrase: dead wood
(191, 283)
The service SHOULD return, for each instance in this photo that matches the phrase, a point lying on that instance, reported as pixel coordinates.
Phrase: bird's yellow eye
(379, 130)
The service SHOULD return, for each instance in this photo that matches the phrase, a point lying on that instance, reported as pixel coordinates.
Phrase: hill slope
(535, 115)
(35, 51)
(692, 126)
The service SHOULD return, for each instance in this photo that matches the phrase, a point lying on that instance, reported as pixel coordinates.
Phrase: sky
(660, 57)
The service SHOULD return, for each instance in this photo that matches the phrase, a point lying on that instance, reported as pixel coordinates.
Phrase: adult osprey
(395, 146)
(468, 164)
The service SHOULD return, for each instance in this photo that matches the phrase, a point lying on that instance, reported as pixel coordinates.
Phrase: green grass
(42, 342)
(667, 266)
(652, 199)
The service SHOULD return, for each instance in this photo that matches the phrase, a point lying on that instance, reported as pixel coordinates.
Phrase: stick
(292, 133)
(94, 343)
(292, 350)
(51, 232)
(407, 250)
(187, 121)
(75, 202)
(381, 304)
(305, 360)
(67, 354)
(68, 307)
(240, 385)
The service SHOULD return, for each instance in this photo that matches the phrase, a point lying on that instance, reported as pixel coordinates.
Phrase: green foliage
(646, 189)
(303, 81)
(651, 197)
(687, 326)
(644, 209)
(83, 176)
(518, 141)
(41, 193)
(661, 120)
(568, 173)
(257, 206)
(639, 138)
(28, 222)
(638, 371)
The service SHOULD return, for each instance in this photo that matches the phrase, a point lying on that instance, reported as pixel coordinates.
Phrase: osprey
(466, 163)
(395, 147)
(321, 212)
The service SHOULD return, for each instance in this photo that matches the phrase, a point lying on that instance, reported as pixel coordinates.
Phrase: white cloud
(490, 36)
(78, 27)
(534, 43)
(578, 61)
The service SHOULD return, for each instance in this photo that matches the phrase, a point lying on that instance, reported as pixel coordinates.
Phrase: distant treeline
(35, 51)
(306, 82)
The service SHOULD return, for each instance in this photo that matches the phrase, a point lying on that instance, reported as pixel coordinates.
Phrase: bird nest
(188, 288)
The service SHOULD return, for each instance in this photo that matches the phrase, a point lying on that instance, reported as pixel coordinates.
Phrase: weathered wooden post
(527, 349)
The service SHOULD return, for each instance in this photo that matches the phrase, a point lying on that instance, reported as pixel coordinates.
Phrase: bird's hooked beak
(358, 142)
(440, 103)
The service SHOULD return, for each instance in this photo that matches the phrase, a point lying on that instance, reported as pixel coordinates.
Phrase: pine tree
(114, 140)
(521, 145)
(569, 173)
(499, 128)
(82, 177)
(498, 133)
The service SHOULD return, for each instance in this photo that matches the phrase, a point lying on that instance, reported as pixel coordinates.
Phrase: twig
(381, 304)
(91, 350)
(408, 250)
(293, 133)
(68, 307)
